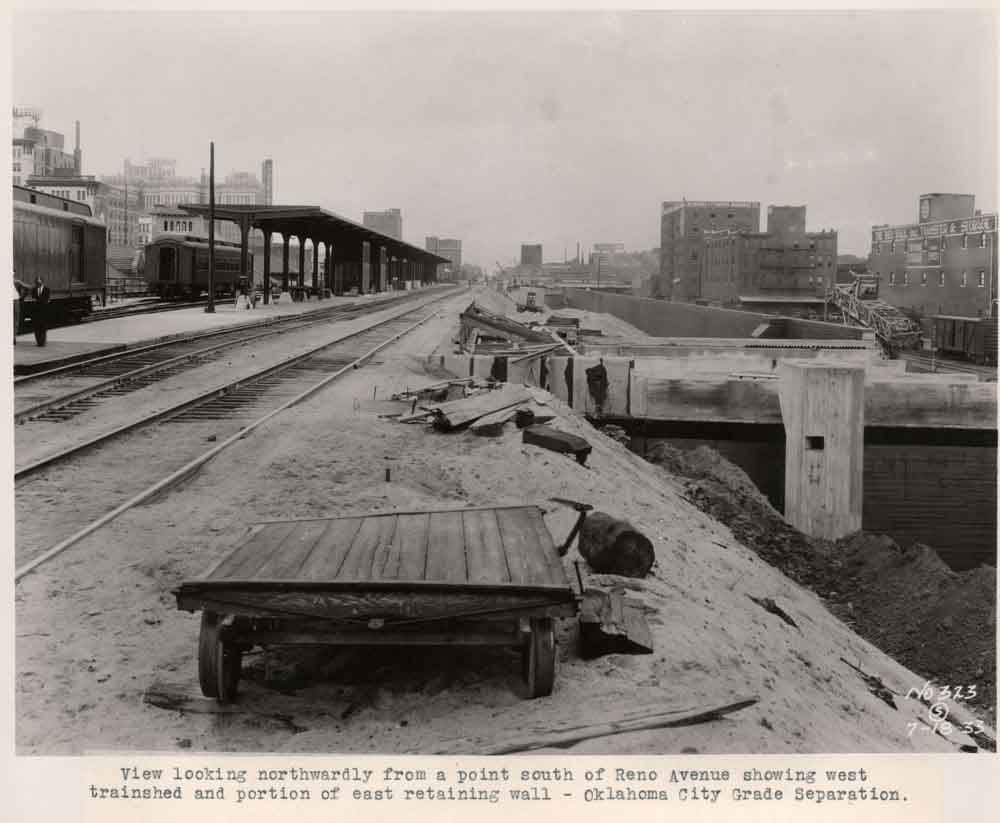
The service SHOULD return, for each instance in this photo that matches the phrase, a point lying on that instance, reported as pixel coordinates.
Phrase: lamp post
(210, 308)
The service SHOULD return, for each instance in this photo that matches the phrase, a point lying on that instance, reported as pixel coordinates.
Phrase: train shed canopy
(315, 224)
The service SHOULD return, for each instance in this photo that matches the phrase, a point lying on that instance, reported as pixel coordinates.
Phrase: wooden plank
(484, 548)
(327, 557)
(256, 527)
(446, 548)
(392, 512)
(459, 412)
(411, 538)
(519, 542)
(571, 735)
(545, 548)
(253, 553)
(285, 564)
(492, 424)
(386, 551)
(374, 532)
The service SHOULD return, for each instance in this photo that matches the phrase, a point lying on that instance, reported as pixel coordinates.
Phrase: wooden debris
(417, 417)
(570, 736)
(768, 605)
(558, 441)
(458, 413)
(536, 353)
(611, 624)
(612, 546)
(531, 413)
(492, 424)
(875, 685)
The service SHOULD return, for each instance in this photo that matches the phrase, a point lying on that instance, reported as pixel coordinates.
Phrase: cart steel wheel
(230, 661)
(540, 657)
(208, 654)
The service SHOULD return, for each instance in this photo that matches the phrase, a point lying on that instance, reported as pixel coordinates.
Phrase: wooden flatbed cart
(472, 577)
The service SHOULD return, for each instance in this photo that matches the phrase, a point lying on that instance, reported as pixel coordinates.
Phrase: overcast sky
(554, 128)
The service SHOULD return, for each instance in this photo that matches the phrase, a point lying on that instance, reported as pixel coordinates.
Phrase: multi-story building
(39, 152)
(388, 222)
(159, 186)
(174, 220)
(116, 205)
(945, 263)
(267, 178)
(446, 247)
(682, 227)
(783, 267)
(531, 254)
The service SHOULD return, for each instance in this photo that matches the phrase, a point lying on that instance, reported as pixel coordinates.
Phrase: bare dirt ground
(98, 626)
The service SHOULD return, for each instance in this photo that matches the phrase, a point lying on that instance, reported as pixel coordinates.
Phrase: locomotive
(60, 241)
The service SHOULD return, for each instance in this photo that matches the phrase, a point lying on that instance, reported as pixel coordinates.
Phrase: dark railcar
(59, 241)
(971, 338)
(177, 267)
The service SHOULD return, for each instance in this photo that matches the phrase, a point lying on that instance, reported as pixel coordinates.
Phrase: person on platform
(40, 311)
(16, 295)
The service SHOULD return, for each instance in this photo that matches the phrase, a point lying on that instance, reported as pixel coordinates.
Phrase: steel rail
(204, 397)
(143, 371)
(185, 338)
(192, 466)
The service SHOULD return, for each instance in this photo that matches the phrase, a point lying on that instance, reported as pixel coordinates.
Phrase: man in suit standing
(40, 311)
(16, 295)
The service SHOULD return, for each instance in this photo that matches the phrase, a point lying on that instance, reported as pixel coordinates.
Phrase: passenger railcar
(177, 267)
(971, 338)
(59, 241)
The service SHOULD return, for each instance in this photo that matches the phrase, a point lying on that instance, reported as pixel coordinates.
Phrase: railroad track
(925, 363)
(142, 308)
(178, 438)
(62, 393)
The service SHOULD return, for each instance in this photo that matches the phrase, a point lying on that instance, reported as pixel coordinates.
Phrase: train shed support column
(302, 261)
(327, 261)
(284, 260)
(315, 283)
(822, 408)
(267, 267)
(244, 256)
(383, 269)
(365, 279)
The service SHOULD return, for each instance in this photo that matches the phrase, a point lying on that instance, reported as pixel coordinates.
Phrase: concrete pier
(822, 407)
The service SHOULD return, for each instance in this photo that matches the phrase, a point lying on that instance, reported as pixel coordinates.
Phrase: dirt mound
(725, 492)
(937, 622)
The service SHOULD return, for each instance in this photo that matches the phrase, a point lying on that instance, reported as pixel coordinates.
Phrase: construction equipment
(859, 304)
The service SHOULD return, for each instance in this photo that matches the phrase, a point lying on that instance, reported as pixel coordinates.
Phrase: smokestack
(77, 154)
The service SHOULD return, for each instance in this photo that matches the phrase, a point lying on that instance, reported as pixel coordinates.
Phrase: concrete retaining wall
(662, 318)
(696, 392)
(912, 492)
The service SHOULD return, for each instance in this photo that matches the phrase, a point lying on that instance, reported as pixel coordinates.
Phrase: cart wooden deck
(472, 576)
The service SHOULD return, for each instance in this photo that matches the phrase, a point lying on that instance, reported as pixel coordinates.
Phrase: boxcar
(177, 267)
(971, 338)
(59, 241)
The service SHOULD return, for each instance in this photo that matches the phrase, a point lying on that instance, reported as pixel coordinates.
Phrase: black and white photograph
(485, 382)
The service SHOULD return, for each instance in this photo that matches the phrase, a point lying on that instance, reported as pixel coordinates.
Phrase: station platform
(69, 344)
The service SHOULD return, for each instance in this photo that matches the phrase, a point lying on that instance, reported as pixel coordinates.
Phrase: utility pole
(210, 308)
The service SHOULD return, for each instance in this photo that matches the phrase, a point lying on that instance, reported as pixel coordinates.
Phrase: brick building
(785, 266)
(945, 263)
(531, 254)
(388, 222)
(682, 227)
